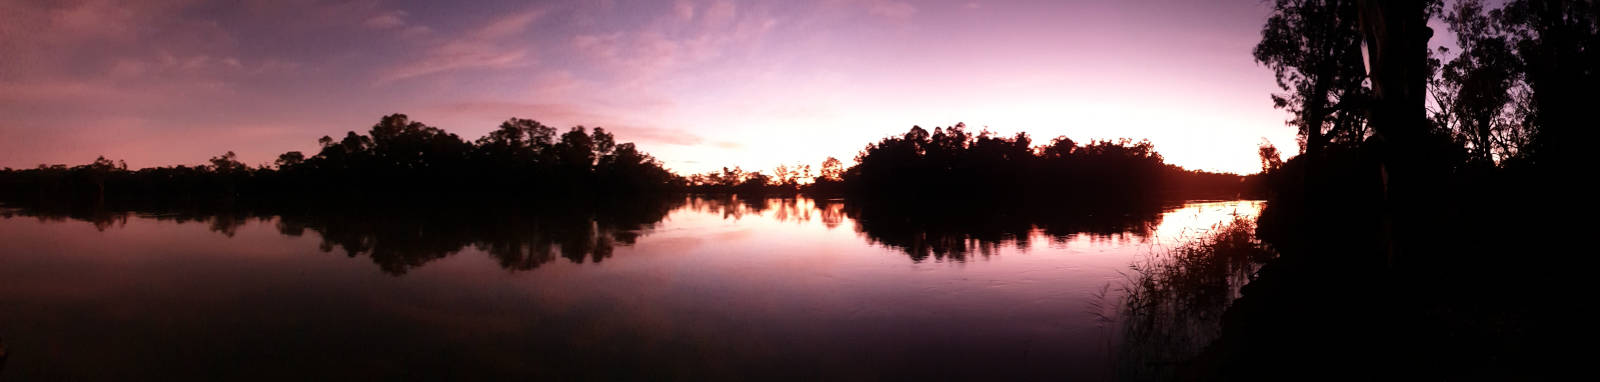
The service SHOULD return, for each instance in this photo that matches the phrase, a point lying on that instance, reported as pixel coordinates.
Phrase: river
(697, 288)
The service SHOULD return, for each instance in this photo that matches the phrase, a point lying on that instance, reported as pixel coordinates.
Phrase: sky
(699, 84)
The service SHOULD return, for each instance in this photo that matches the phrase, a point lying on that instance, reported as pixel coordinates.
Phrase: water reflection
(517, 240)
(525, 238)
(953, 232)
(398, 241)
(684, 288)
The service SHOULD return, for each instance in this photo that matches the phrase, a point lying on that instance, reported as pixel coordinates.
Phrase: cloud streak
(891, 9)
(486, 47)
(386, 20)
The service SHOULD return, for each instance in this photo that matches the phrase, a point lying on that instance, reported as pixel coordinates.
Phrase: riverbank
(1369, 288)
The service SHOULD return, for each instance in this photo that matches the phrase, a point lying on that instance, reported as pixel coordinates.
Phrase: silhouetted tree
(951, 164)
(1475, 88)
(1059, 148)
(832, 170)
(1400, 218)
(517, 142)
(290, 159)
(575, 151)
(604, 143)
(400, 143)
(227, 163)
(1271, 159)
(1558, 43)
(1313, 48)
(398, 158)
(732, 177)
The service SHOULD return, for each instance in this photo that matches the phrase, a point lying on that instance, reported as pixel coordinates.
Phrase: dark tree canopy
(397, 158)
(1314, 49)
(951, 163)
(1474, 91)
(1558, 42)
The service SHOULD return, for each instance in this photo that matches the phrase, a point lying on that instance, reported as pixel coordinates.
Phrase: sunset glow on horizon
(699, 84)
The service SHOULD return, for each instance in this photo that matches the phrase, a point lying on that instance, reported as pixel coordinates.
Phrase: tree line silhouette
(396, 159)
(1422, 173)
(954, 164)
(1513, 93)
(403, 159)
(951, 162)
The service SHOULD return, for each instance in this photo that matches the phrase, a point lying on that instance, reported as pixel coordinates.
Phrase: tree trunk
(1485, 146)
(1316, 113)
(1396, 36)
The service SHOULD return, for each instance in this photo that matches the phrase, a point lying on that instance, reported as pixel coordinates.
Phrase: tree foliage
(950, 162)
(1314, 50)
(396, 158)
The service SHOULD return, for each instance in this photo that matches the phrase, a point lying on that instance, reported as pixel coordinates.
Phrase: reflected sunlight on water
(708, 287)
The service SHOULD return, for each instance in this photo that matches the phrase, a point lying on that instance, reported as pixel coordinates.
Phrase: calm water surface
(692, 289)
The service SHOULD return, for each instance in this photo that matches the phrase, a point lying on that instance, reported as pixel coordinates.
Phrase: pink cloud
(684, 9)
(487, 47)
(458, 55)
(43, 39)
(638, 59)
(553, 112)
(891, 9)
(719, 14)
(386, 20)
(415, 31)
(508, 25)
(602, 46)
(643, 134)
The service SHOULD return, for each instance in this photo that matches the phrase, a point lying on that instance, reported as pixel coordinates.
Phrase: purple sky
(698, 83)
